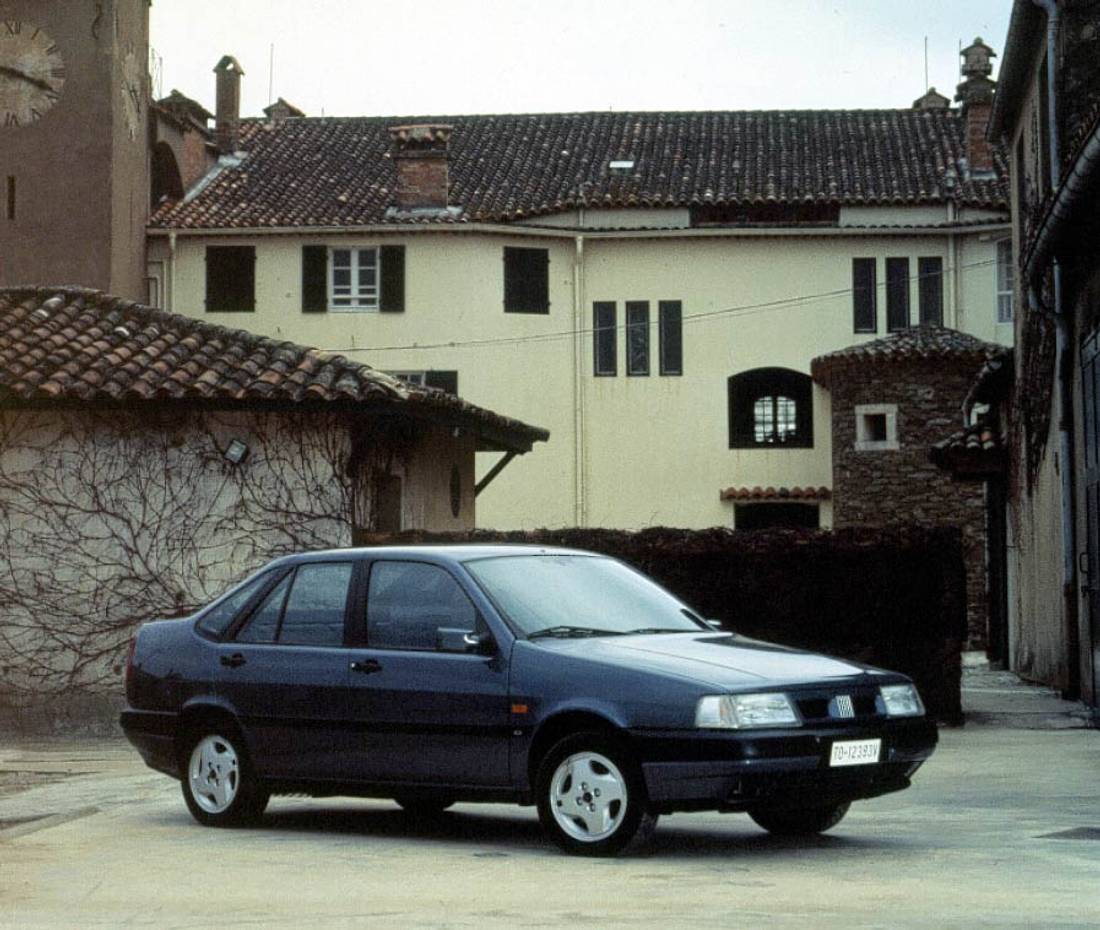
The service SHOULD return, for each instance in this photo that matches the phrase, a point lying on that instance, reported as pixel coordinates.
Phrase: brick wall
(886, 488)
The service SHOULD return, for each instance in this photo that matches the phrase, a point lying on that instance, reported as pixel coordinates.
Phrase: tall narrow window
(897, 294)
(930, 290)
(864, 296)
(637, 337)
(230, 278)
(1005, 281)
(11, 197)
(603, 338)
(671, 318)
(526, 280)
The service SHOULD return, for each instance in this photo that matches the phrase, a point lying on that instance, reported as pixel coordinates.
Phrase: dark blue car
(559, 678)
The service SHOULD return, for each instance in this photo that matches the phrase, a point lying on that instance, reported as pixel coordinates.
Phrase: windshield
(578, 595)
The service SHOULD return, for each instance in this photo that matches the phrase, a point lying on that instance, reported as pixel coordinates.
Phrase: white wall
(624, 451)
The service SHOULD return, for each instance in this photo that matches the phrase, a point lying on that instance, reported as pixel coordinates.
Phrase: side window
(263, 625)
(408, 602)
(305, 608)
(314, 613)
(216, 620)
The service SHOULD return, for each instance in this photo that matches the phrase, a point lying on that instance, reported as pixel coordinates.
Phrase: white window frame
(409, 377)
(1006, 274)
(864, 442)
(362, 298)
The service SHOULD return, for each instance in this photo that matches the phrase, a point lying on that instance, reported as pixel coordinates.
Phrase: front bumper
(153, 734)
(729, 770)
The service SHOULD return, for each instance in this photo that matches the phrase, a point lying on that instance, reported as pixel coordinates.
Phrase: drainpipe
(169, 304)
(1064, 368)
(952, 316)
(579, 503)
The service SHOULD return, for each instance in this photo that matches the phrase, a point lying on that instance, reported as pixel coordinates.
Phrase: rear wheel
(218, 784)
(801, 821)
(591, 796)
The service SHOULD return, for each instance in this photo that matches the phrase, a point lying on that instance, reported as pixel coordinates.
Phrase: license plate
(855, 752)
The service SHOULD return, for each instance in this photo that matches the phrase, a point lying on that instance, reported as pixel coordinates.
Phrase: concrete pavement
(1001, 829)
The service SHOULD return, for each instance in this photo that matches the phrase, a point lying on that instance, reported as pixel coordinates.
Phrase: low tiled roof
(975, 452)
(69, 344)
(339, 171)
(915, 343)
(775, 494)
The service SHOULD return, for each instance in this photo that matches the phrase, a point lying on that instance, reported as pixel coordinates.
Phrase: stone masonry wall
(884, 488)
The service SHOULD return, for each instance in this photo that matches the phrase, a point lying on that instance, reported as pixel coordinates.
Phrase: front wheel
(591, 797)
(801, 821)
(218, 784)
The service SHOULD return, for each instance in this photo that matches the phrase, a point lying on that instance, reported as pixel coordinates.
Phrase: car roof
(448, 552)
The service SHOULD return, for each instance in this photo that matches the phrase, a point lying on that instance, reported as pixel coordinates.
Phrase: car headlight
(744, 711)
(900, 701)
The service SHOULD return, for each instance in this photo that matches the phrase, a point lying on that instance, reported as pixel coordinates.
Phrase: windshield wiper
(568, 632)
(658, 629)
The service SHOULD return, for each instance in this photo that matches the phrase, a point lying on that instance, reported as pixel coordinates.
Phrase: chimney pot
(420, 154)
(227, 113)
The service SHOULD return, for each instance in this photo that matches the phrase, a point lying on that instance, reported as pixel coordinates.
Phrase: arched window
(771, 407)
(165, 182)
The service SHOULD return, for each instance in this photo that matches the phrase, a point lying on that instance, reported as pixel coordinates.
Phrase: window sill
(871, 445)
(332, 309)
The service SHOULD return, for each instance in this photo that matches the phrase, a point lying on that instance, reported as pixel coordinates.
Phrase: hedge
(892, 597)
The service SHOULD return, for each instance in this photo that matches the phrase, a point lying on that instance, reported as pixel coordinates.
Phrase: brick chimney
(227, 112)
(420, 154)
(975, 93)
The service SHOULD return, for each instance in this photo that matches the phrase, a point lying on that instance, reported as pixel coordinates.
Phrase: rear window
(216, 619)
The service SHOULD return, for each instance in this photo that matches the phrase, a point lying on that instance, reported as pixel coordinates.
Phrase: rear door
(424, 715)
(284, 673)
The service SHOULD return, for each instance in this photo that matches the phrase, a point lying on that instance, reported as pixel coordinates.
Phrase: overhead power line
(741, 310)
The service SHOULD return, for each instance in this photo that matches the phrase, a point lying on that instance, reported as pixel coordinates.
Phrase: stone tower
(74, 143)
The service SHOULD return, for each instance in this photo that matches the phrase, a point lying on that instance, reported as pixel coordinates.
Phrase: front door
(424, 715)
(1090, 386)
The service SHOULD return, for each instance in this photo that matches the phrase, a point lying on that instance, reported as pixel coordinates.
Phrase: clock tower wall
(74, 146)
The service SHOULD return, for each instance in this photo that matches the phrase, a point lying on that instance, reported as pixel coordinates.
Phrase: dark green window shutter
(526, 280)
(314, 278)
(393, 279)
(230, 278)
(444, 380)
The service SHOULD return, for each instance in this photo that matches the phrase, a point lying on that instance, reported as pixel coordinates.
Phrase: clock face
(32, 73)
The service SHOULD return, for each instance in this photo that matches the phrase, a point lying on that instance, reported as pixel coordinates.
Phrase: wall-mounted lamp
(236, 452)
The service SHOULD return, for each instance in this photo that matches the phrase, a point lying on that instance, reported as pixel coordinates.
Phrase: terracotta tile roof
(975, 452)
(917, 342)
(775, 494)
(79, 345)
(338, 171)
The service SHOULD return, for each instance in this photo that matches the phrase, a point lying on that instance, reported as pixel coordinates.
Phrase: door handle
(234, 661)
(367, 667)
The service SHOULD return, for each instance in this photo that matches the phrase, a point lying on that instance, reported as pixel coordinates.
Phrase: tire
(591, 797)
(217, 779)
(802, 821)
(424, 805)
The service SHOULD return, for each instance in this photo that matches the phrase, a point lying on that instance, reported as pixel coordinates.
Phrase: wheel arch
(563, 723)
(198, 716)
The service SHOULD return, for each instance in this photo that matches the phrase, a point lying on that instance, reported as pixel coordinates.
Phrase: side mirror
(448, 639)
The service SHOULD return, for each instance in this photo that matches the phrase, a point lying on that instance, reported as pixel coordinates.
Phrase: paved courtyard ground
(1001, 829)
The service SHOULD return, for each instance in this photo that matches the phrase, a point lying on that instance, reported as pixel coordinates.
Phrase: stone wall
(889, 487)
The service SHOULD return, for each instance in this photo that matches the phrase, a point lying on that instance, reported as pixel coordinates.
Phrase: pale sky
(440, 57)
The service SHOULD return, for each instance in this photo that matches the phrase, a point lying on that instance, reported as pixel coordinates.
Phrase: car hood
(720, 659)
